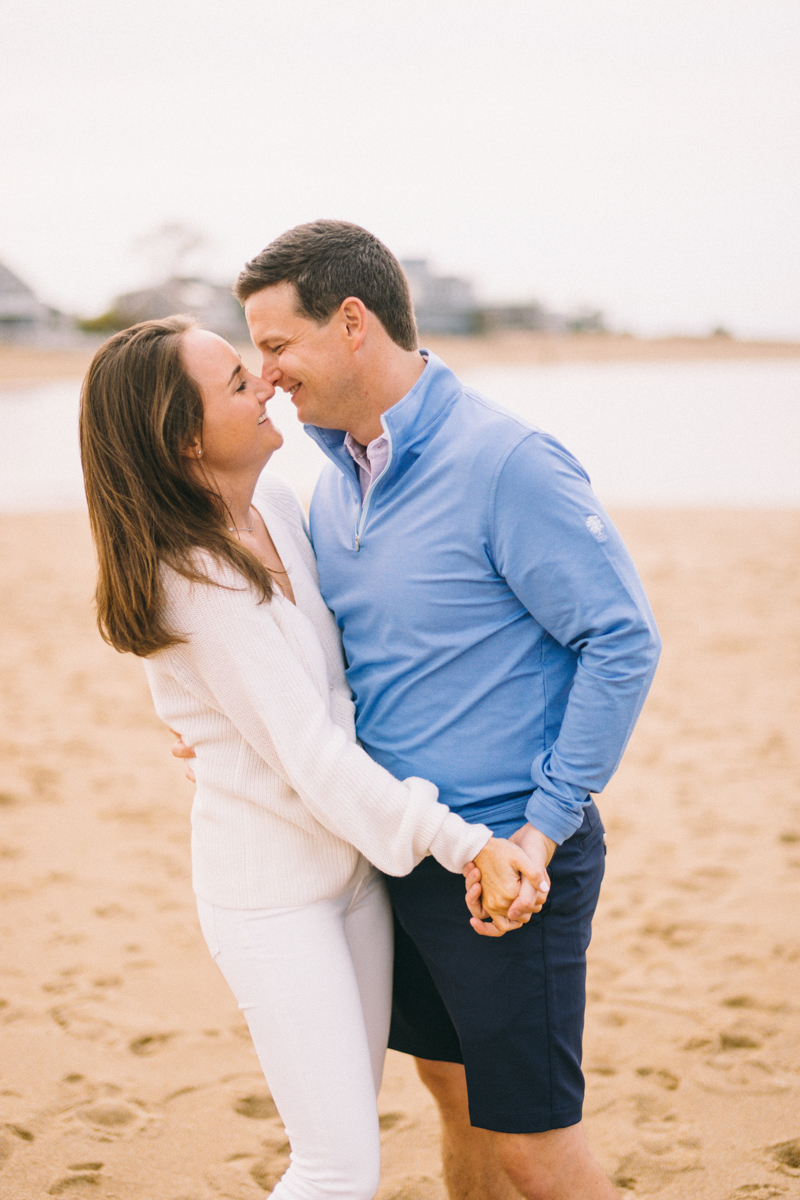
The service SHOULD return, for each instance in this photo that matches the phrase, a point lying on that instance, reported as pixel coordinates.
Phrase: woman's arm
(238, 654)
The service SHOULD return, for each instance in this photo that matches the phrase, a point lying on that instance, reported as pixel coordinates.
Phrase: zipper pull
(358, 539)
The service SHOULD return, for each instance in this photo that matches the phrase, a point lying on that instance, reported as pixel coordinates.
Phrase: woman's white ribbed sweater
(285, 797)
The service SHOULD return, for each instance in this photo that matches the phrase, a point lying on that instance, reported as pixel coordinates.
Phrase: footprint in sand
(109, 1117)
(80, 1020)
(787, 1157)
(666, 1148)
(388, 1120)
(257, 1105)
(740, 1077)
(421, 1187)
(10, 1138)
(150, 1043)
(83, 1176)
(660, 1076)
(758, 1191)
(248, 1177)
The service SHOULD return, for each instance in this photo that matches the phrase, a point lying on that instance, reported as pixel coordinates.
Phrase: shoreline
(34, 364)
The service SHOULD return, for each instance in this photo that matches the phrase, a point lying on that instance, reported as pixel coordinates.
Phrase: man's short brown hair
(327, 261)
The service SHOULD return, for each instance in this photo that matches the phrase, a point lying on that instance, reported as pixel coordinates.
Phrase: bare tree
(169, 249)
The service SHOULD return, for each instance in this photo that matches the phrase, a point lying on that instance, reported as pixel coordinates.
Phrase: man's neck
(393, 378)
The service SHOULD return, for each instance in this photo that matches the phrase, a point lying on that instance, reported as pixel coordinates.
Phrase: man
(499, 643)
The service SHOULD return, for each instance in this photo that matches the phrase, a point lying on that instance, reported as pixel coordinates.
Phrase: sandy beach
(127, 1072)
(27, 364)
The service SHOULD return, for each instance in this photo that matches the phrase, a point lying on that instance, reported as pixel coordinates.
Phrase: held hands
(508, 881)
(181, 750)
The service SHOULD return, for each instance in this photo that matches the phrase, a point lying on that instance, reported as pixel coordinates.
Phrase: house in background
(212, 304)
(23, 317)
(446, 304)
(442, 303)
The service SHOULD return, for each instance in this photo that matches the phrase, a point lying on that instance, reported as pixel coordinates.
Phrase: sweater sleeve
(561, 555)
(238, 654)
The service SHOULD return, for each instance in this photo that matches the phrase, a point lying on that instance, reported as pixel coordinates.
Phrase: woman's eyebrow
(234, 373)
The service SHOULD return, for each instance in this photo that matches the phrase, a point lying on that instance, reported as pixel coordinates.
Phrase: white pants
(315, 985)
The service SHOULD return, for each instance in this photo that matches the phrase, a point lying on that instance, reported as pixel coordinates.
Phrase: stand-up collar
(410, 421)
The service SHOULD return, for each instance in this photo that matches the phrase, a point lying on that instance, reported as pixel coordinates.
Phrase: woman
(206, 572)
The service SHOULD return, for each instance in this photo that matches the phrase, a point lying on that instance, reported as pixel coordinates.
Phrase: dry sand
(127, 1071)
(22, 364)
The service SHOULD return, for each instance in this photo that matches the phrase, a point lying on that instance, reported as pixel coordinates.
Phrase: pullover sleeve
(565, 561)
(238, 659)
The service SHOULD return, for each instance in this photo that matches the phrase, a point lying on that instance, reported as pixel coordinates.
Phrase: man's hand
(181, 750)
(532, 892)
(500, 875)
(539, 849)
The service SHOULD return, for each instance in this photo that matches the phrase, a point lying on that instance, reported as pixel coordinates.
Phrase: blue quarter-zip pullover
(496, 631)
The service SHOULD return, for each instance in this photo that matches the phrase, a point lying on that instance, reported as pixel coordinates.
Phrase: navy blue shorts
(510, 1009)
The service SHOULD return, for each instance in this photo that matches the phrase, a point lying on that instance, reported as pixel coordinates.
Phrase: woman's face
(237, 433)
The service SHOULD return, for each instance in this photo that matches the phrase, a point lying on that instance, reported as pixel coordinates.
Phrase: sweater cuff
(457, 842)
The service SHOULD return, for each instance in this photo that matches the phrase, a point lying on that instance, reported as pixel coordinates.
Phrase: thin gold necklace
(244, 529)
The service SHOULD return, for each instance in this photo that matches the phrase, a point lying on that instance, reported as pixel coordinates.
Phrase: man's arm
(503, 879)
(565, 561)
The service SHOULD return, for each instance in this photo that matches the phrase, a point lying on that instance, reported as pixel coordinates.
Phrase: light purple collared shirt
(370, 459)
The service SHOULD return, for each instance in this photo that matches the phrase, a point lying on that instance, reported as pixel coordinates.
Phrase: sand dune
(127, 1072)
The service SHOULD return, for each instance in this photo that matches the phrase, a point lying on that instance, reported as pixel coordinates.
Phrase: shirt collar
(410, 420)
(359, 452)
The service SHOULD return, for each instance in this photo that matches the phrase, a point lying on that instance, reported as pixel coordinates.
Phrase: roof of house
(18, 302)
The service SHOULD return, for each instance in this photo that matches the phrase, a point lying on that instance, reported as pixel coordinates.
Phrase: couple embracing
(427, 684)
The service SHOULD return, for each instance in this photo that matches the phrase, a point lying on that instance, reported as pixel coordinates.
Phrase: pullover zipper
(362, 516)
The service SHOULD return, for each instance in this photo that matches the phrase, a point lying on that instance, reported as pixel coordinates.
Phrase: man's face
(311, 362)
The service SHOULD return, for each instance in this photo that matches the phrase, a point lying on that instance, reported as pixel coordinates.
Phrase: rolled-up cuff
(554, 820)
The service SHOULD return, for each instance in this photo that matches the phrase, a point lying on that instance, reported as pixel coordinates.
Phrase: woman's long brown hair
(140, 412)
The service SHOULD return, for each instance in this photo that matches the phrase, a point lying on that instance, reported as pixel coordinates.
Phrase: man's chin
(307, 415)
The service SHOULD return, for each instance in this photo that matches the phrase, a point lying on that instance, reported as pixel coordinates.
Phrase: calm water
(655, 434)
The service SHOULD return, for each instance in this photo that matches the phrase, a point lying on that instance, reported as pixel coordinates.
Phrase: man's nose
(270, 371)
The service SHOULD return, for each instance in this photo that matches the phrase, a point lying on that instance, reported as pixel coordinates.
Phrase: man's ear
(354, 317)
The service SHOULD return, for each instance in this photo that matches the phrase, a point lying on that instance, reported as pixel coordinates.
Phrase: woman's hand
(504, 885)
(532, 884)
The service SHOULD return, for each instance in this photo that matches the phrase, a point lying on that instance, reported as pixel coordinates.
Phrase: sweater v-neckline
(285, 550)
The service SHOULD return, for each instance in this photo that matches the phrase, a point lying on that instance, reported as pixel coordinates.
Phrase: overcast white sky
(641, 155)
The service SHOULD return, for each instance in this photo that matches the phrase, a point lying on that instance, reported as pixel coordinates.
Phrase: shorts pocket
(592, 827)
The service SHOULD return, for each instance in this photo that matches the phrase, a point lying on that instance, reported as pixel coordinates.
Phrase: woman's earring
(199, 451)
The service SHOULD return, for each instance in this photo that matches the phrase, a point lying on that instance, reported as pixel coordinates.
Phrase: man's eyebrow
(234, 373)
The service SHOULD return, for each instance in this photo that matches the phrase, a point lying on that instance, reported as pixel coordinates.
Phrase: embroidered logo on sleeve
(596, 528)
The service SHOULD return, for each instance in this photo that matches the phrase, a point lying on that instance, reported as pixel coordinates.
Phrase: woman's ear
(195, 450)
